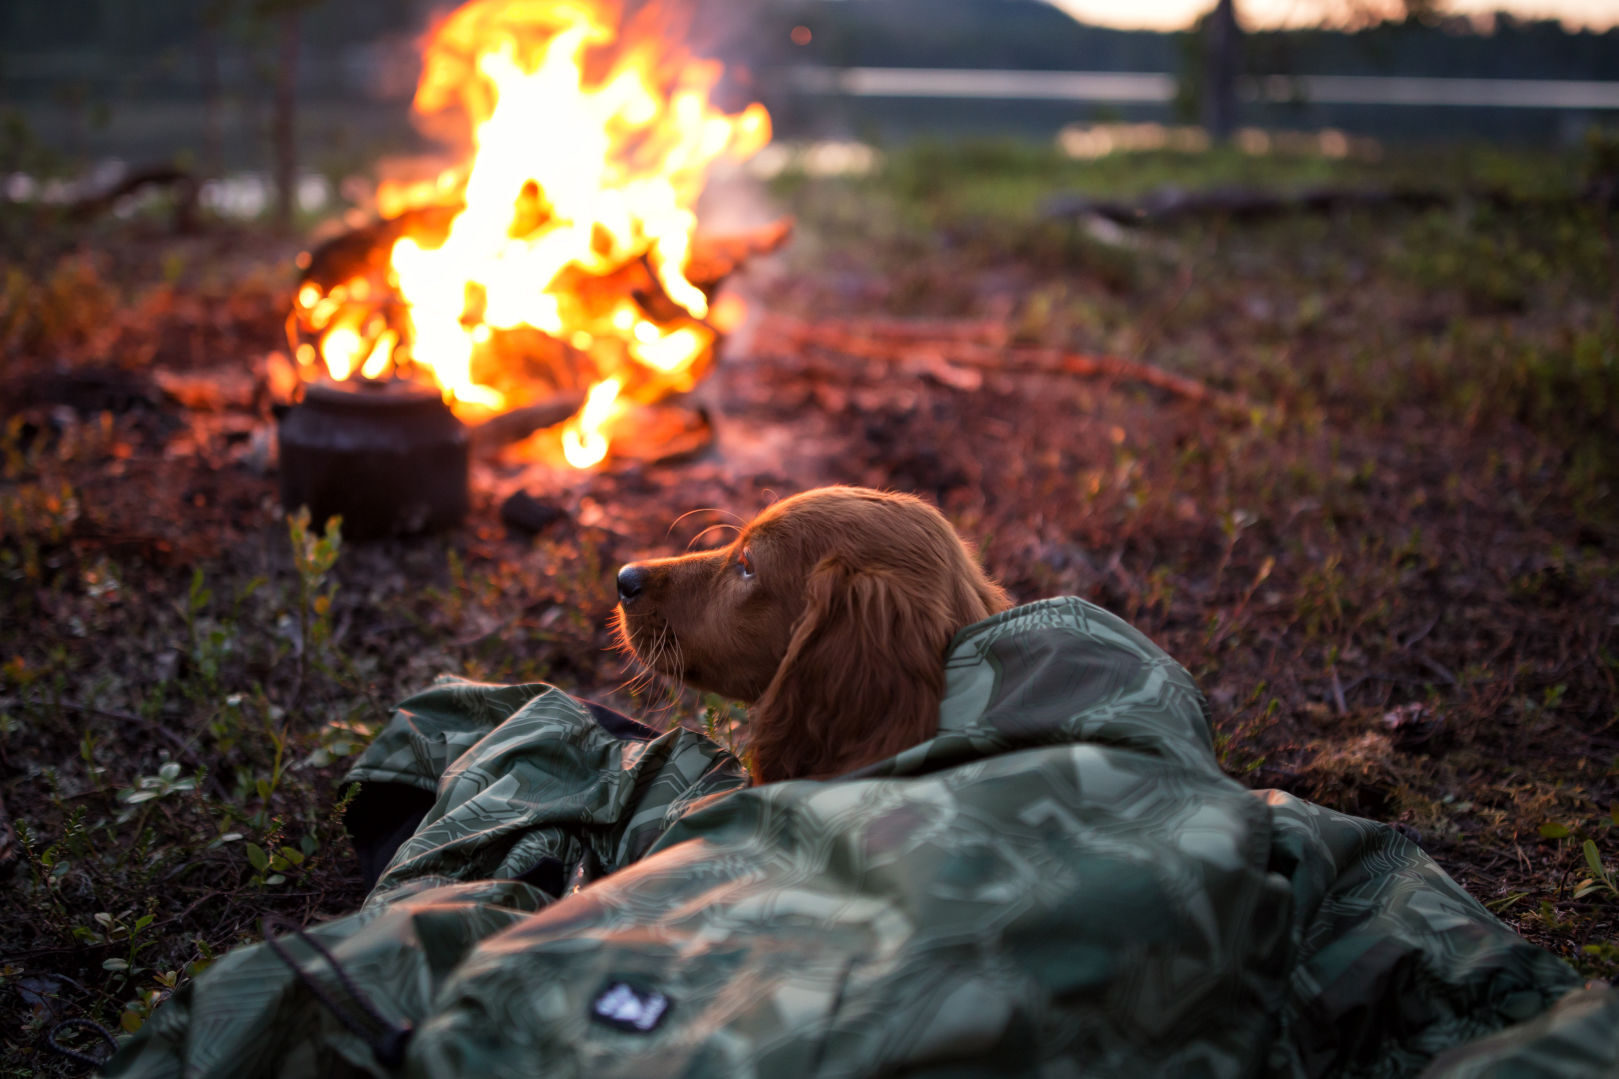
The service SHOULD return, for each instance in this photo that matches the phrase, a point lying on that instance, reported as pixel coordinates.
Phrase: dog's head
(829, 613)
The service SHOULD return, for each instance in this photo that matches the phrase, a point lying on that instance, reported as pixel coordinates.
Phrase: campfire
(556, 274)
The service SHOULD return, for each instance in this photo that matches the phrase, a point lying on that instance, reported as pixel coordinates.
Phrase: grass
(1395, 576)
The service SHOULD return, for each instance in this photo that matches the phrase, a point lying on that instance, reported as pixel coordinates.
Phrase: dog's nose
(631, 582)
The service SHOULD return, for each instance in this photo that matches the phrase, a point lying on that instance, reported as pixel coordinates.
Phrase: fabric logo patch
(623, 1006)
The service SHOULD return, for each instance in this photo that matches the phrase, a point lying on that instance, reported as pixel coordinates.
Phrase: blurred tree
(212, 20)
(285, 16)
(1222, 46)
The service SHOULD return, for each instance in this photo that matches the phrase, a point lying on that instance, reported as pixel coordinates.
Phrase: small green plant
(209, 644)
(148, 789)
(125, 930)
(265, 786)
(270, 867)
(48, 869)
(35, 518)
(1602, 879)
(339, 739)
(1604, 953)
(313, 556)
(1500, 906)
(87, 753)
(139, 1009)
(164, 982)
(1235, 755)
(723, 720)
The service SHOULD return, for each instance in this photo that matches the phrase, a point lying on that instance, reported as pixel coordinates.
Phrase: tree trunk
(1221, 41)
(213, 155)
(284, 132)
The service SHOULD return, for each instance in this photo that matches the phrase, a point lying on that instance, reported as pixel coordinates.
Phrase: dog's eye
(744, 563)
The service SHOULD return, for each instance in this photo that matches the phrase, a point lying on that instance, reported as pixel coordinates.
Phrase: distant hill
(1516, 49)
(1028, 34)
(1032, 35)
(158, 48)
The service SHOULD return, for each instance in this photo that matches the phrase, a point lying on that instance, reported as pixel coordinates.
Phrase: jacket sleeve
(523, 782)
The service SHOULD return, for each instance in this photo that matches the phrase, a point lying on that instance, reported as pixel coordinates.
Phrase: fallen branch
(1057, 361)
(936, 347)
(983, 331)
(179, 180)
(1174, 204)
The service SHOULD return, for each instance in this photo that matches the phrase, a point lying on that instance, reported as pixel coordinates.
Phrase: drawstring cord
(386, 1038)
(73, 1054)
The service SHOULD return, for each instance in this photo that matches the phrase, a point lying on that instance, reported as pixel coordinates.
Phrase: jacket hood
(1060, 671)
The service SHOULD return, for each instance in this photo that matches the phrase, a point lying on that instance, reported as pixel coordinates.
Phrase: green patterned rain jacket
(1060, 883)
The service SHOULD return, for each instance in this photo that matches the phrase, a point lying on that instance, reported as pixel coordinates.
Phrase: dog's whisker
(717, 524)
(661, 653)
(654, 657)
(700, 509)
(640, 663)
(646, 669)
(673, 660)
(635, 678)
(664, 651)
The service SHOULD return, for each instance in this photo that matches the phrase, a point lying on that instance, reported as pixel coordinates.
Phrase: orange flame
(583, 443)
(593, 137)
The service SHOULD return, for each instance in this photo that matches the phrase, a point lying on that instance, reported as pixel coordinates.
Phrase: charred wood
(519, 423)
(364, 251)
(522, 512)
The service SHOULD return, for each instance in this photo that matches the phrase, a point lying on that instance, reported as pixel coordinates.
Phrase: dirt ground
(1375, 519)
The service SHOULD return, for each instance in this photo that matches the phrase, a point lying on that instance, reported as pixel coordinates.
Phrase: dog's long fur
(830, 613)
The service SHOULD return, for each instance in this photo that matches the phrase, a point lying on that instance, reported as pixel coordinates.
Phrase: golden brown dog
(830, 614)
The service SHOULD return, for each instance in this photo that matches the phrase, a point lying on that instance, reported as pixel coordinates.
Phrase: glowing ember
(565, 255)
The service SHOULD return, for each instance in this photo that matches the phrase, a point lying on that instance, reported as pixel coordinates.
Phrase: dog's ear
(861, 678)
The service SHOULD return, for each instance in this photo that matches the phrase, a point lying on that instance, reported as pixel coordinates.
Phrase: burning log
(363, 252)
(715, 258)
(520, 423)
(667, 433)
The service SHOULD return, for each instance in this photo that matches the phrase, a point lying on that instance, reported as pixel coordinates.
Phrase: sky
(1177, 14)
